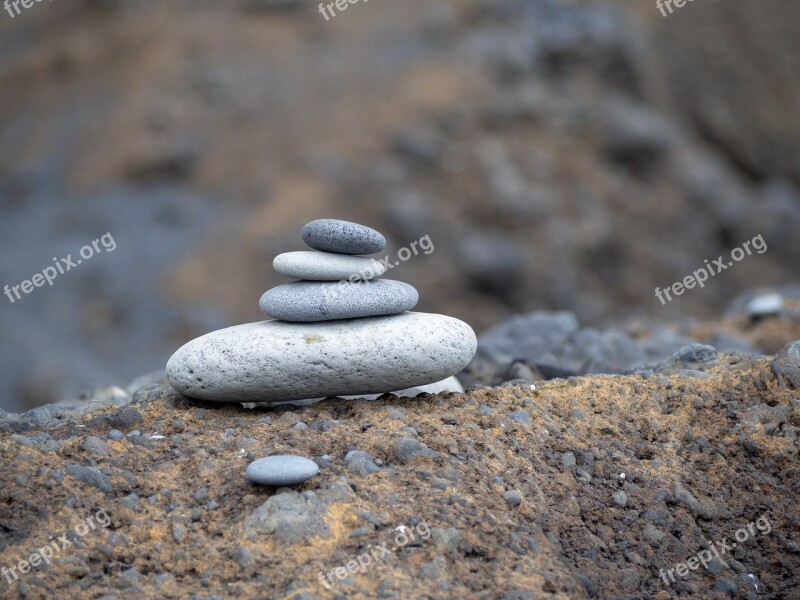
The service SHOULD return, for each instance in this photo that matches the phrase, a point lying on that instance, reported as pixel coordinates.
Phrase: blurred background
(560, 155)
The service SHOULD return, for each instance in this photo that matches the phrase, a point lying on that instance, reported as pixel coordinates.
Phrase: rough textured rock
(407, 450)
(90, 475)
(290, 517)
(786, 365)
(544, 345)
(615, 478)
(361, 463)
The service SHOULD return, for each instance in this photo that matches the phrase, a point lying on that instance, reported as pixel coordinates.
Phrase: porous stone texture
(311, 301)
(342, 237)
(274, 361)
(648, 469)
(281, 469)
(91, 476)
(325, 266)
(289, 517)
(787, 364)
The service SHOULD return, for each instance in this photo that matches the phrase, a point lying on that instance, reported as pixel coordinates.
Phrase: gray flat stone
(407, 450)
(281, 470)
(326, 266)
(91, 476)
(275, 361)
(342, 237)
(361, 463)
(312, 301)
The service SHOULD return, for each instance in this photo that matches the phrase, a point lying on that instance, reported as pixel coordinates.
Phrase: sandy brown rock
(515, 507)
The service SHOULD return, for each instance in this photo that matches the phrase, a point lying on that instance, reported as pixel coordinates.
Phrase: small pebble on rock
(280, 470)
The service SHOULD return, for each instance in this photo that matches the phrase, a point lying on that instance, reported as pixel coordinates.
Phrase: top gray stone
(342, 237)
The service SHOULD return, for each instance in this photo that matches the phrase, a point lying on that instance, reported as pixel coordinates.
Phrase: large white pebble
(274, 361)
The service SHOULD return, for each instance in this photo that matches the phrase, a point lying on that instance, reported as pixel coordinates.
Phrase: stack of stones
(336, 284)
(339, 331)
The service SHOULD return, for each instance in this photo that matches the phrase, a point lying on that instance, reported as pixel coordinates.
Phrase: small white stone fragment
(765, 305)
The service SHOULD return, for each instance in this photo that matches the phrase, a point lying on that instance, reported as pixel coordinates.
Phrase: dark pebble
(726, 586)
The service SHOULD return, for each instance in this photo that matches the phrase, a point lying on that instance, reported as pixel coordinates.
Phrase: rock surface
(311, 302)
(786, 365)
(599, 484)
(545, 345)
(276, 361)
(325, 266)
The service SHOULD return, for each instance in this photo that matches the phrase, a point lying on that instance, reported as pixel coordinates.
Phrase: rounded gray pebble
(325, 266)
(281, 470)
(342, 237)
(361, 463)
(311, 302)
(620, 498)
(407, 450)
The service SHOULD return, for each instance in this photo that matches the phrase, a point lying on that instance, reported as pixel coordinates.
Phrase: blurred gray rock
(90, 475)
(407, 450)
(289, 516)
(786, 365)
(554, 345)
(361, 463)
